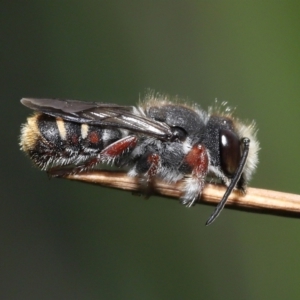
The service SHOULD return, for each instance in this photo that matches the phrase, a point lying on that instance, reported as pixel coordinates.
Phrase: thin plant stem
(255, 200)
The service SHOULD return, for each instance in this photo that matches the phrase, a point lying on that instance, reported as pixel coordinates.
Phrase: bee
(159, 138)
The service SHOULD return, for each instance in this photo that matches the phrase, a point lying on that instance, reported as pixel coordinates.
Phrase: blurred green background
(66, 240)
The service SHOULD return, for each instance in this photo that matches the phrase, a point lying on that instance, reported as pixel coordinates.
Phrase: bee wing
(102, 114)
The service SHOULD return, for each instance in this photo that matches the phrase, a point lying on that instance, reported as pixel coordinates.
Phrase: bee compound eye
(179, 134)
(230, 151)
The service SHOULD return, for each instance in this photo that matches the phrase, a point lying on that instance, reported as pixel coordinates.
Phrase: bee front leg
(198, 160)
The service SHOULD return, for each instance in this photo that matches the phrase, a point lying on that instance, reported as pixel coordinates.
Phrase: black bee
(156, 139)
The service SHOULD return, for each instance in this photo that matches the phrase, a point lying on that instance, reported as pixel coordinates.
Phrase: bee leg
(197, 158)
(107, 155)
(116, 149)
(154, 161)
(64, 172)
(146, 180)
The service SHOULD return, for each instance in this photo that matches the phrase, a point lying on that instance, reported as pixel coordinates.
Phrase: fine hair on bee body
(159, 138)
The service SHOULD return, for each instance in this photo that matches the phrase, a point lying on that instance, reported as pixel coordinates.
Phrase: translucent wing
(102, 114)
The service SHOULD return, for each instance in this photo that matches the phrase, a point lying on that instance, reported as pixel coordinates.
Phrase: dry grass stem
(258, 200)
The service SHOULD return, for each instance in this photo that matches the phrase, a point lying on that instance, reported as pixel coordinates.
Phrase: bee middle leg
(146, 169)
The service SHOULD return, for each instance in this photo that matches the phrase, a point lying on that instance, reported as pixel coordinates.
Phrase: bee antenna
(235, 179)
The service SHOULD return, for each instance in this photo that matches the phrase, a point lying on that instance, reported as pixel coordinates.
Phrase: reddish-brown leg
(117, 148)
(198, 160)
(146, 180)
(153, 160)
(107, 155)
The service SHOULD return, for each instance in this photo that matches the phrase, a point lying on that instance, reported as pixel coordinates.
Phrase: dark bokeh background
(66, 240)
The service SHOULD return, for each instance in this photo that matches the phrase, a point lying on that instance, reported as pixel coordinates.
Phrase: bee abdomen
(51, 141)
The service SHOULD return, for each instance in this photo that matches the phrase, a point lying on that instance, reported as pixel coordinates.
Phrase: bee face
(157, 139)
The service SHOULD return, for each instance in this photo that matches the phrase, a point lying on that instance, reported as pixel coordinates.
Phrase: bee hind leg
(107, 155)
(64, 172)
